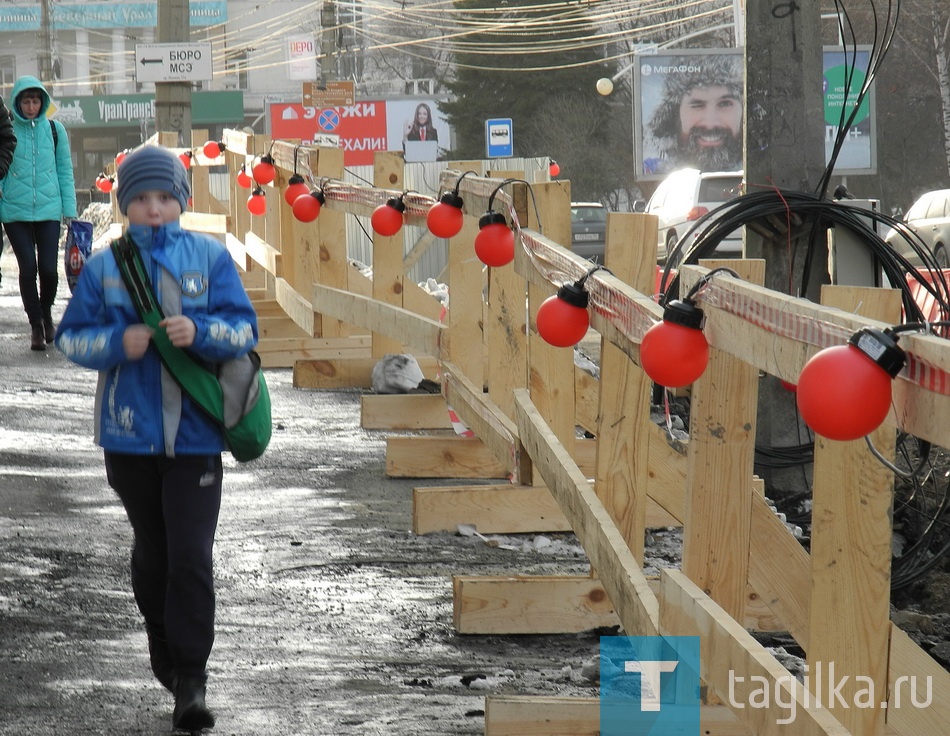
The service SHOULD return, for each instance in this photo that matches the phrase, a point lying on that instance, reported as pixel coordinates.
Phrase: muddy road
(333, 617)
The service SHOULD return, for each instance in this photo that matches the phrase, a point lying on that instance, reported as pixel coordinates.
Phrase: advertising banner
(366, 127)
(689, 111)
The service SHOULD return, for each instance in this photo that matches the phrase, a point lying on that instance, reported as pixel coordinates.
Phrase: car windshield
(588, 214)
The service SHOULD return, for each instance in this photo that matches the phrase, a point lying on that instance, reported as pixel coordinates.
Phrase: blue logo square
(649, 685)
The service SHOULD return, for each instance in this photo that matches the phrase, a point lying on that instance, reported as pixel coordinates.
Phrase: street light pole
(173, 99)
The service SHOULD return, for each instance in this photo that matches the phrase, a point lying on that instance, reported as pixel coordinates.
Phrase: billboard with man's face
(690, 111)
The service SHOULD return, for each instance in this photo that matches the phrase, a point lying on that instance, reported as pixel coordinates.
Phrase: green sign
(842, 92)
(108, 111)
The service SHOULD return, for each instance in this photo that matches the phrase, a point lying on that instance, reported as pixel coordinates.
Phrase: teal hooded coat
(39, 184)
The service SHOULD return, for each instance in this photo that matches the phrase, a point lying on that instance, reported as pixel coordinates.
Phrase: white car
(686, 195)
(929, 218)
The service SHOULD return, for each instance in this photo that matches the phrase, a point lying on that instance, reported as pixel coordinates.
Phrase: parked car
(686, 195)
(929, 218)
(589, 230)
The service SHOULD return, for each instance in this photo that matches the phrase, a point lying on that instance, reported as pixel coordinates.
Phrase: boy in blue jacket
(162, 453)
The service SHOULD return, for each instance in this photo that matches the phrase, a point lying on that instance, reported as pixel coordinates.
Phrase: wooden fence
(742, 569)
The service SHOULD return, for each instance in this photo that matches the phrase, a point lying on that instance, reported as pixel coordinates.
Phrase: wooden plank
(278, 327)
(555, 604)
(351, 372)
(720, 458)
(263, 254)
(728, 652)
(417, 333)
(586, 400)
(779, 570)
(441, 457)
(483, 417)
(524, 715)
(204, 222)
(852, 495)
(421, 302)
(605, 546)
(404, 411)
(295, 306)
(463, 341)
(506, 509)
(911, 668)
(491, 509)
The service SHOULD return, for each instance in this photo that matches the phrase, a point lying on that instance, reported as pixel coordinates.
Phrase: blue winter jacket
(39, 185)
(137, 409)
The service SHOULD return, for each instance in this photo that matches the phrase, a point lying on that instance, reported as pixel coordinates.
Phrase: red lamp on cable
(387, 219)
(263, 171)
(445, 217)
(120, 156)
(554, 169)
(186, 157)
(296, 186)
(105, 183)
(257, 202)
(844, 392)
(674, 352)
(243, 178)
(495, 242)
(307, 206)
(562, 319)
(213, 149)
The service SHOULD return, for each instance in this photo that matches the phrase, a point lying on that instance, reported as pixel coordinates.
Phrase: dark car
(589, 230)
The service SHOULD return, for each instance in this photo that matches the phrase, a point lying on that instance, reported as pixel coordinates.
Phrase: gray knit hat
(148, 168)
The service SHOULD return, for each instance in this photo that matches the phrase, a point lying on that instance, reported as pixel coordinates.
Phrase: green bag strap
(200, 384)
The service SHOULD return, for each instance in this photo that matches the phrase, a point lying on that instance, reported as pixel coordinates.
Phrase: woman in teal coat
(37, 193)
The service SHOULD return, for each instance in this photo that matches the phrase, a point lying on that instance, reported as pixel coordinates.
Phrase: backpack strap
(52, 126)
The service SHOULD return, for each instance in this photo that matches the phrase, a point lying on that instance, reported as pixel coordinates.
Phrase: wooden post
(388, 274)
(851, 555)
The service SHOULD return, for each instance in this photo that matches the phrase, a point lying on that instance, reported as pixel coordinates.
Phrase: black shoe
(38, 338)
(191, 713)
(161, 661)
(49, 329)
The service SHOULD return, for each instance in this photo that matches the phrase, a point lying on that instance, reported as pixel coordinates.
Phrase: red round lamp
(186, 157)
(257, 202)
(674, 352)
(263, 171)
(554, 169)
(307, 206)
(296, 186)
(495, 242)
(844, 392)
(213, 149)
(445, 217)
(243, 178)
(387, 218)
(562, 319)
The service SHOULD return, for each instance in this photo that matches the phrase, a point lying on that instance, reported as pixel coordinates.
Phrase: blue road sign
(328, 120)
(499, 138)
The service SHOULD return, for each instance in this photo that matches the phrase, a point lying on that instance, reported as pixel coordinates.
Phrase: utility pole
(173, 99)
(328, 46)
(784, 130)
(45, 56)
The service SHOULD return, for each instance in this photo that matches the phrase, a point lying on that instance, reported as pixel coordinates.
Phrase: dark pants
(172, 504)
(36, 246)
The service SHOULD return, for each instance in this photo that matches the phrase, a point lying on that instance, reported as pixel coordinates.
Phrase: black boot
(161, 660)
(38, 338)
(191, 712)
(49, 329)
